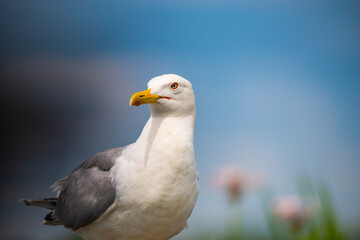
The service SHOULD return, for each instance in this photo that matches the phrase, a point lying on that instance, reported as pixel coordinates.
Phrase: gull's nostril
(142, 96)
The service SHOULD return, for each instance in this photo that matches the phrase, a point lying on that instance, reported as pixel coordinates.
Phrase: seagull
(142, 191)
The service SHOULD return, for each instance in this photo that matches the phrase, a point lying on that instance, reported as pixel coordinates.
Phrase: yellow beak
(144, 97)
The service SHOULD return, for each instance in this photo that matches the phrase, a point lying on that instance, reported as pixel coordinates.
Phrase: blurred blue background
(277, 85)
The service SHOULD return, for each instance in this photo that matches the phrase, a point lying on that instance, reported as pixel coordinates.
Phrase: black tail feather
(51, 219)
(49, 203)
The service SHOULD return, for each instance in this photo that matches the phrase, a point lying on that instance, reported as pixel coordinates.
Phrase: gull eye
(174, 85)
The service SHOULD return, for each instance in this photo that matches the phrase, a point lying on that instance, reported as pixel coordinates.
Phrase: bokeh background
(277, 85)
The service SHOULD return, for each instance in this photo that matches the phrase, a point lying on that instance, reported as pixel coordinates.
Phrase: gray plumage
(84, 195)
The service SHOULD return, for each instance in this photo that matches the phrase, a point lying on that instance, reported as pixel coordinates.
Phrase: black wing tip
(24, 201)
(48, 203)
(50, 223)
(51, 219)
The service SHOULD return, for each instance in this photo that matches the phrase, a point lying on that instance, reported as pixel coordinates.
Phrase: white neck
(174, 134)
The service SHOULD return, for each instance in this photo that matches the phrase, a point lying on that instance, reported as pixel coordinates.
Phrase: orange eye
(174, 85)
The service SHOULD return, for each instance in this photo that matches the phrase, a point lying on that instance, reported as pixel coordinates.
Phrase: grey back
(87, 192)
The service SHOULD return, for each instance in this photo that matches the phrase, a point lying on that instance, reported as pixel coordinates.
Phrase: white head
(167, 94)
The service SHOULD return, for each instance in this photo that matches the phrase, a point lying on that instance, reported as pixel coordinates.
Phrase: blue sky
(277, 85)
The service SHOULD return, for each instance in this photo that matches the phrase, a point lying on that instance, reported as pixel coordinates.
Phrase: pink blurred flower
(291, 209)
(235, 181)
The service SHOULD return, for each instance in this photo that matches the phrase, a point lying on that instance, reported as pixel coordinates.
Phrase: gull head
(167, 94)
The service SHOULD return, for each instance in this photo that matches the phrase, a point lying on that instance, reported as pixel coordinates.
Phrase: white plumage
(154, 179)
(155, 191)
(143, 191)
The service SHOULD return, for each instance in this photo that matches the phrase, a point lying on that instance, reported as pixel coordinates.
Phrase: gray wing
(103, 160)
(87, 192)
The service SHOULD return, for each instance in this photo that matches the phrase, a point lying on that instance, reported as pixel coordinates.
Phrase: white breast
(156, 184)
